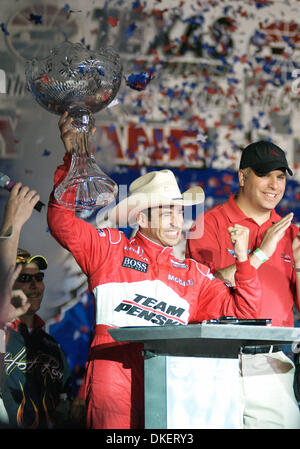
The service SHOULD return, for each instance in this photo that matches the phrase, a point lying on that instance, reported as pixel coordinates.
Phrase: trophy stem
(86, 186)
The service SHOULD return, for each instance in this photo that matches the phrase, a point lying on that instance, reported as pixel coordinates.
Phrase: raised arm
(74, 234)
(19, 207)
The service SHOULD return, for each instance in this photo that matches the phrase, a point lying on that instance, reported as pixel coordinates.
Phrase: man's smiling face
(33, 289)
(164, 226)
(263, 192)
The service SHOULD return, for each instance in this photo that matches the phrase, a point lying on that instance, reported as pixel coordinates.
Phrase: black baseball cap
(264, 157)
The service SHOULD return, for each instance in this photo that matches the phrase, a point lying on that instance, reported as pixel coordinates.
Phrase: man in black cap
(264, 157)
(274, 248)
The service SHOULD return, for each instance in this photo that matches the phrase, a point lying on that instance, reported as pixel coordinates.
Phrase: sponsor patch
(179, 281)
(178, 264)
(138, 250)
(137, 265)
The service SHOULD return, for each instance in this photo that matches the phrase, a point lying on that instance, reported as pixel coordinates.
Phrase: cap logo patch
(274, 152)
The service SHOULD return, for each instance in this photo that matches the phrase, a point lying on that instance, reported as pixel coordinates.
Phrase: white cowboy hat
(156, 188)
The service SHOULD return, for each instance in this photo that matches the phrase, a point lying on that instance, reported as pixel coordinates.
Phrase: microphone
(7, 184)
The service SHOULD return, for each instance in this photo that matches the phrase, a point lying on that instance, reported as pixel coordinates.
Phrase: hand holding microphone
(7, 184)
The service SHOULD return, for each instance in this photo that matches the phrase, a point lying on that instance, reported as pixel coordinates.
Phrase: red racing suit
(138, 282)
(277, 275)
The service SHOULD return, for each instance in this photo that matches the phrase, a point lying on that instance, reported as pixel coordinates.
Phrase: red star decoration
(112, 21)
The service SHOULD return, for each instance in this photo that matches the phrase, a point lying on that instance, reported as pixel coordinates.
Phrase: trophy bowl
(76, 79)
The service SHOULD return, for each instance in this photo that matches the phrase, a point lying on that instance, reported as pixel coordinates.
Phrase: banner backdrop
(202, 79)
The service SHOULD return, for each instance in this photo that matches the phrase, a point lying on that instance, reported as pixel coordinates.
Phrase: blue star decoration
(139, 81)
(36, 19)
(4, 29)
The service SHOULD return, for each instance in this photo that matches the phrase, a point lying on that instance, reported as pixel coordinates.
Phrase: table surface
(207, 331)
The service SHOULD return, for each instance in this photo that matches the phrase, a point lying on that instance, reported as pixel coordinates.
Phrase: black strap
(260, 349)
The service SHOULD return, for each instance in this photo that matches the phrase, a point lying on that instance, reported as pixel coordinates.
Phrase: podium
(192, 372)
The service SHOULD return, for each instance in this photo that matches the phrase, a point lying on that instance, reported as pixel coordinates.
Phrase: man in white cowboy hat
(139, 282)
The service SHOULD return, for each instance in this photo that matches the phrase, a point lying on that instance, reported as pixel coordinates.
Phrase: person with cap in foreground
(13, 303)
(139, 282)
(274, 247)
(36, 374)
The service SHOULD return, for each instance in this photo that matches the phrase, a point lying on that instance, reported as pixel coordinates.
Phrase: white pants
(268, 397)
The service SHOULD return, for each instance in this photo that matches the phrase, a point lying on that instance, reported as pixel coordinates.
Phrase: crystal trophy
(75, 79)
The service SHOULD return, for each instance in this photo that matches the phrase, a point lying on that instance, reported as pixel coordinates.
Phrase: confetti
(67, 9)
(4, 29)
(263, 3)
(130, 30)
(36, 19)
(112, 21)
(136, 5)
(44, 78)
(201, 137)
